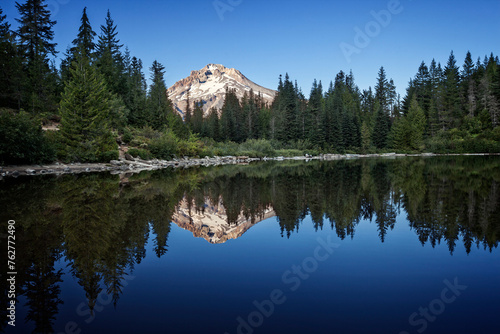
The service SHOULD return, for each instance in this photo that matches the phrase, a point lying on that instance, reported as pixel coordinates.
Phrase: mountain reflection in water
(100, 224)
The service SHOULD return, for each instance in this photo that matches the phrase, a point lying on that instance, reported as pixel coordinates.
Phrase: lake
(402, 245)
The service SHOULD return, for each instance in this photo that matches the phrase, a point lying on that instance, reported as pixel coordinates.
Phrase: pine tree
(381, 128)
(407, 132)
(35, 34)
(315, 131)
(83, 45)
(197, 120)
(382, 89)
(85, 109)
(213, 124)
(399, 134)
(422, 84)
(11, 71)
(365, 137)
(416, 123)
(136, 99)
(159, 106)
(392, 96)
(452, 114)
(109, 57)
(188, 113)
(230, 119)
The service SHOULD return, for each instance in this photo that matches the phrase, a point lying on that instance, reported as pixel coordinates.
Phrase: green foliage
(166, 146)
(127, 136)
(22, 140)
(141, 153)
(85, 109)
(381, 128)
(114, 95)
(289, 153)
(257, 148)
(159, 107)
(35, 34)
(407, 132)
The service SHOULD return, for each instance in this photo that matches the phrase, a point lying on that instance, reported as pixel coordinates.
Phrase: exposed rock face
(212, 223)
(209, 84)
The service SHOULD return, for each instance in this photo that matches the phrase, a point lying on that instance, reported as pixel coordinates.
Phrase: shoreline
(136, 165)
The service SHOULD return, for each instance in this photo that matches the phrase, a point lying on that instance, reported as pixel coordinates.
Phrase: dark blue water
(373, 246)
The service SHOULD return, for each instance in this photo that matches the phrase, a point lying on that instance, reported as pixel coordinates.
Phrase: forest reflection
(100, 224)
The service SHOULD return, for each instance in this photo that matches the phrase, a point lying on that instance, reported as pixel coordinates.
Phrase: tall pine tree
(35, 34)
(85, 109)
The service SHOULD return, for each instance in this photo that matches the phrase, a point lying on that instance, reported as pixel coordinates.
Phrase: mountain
(209, 84)
(212, 223)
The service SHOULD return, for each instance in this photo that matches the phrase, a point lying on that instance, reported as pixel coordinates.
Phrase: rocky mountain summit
(209, 84)
(212, 222)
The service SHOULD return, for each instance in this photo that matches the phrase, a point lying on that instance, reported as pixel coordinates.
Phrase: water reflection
(101, 223)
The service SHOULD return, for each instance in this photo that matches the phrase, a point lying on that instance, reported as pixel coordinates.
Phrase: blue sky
(264, 39)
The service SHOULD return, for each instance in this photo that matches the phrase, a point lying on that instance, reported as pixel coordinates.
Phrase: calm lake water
(404, 245)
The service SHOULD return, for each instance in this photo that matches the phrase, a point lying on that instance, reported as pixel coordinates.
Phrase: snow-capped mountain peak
(209, 85)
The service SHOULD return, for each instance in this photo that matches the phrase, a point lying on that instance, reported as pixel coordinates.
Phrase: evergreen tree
(188, 113)
(381, 128)
(158, 104)
(137, 96)
(85, 110)
(422, 85)
(85, 37)
(392, 96)
(417, 123)
(315, 131)
(451, 115)
(382, 90)
(83, 45)
(213, 124)
(408, 131)
(35, 34)
(11, 71)
(230, 117)
(365, 137)
(197, 120)
(109, 57)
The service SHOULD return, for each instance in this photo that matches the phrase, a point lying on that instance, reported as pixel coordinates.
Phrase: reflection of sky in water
(364, 286)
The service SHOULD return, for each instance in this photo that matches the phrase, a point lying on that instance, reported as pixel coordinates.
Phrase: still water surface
(360, 246)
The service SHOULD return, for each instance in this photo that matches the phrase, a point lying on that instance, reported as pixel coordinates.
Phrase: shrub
(141, 153)
(289, 153)
(127, 136)
(22, 140)
(109, 155)
(257, 148)
(166, 146)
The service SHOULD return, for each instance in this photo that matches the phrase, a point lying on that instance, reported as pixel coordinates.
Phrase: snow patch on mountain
(209, 85)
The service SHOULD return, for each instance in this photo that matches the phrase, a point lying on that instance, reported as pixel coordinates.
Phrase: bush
(127, 136)
(166, 146)
(147, 132)
(141, 153)
(289, 153)
(22, 140)
(109, 155)
(256, 148)
(468, 145)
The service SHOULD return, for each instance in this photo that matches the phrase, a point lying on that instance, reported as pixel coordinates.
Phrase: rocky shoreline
(136, 165)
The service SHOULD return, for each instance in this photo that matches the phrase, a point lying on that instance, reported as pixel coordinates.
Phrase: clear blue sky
(266, 38)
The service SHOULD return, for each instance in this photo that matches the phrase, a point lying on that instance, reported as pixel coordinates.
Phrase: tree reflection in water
(101, 223)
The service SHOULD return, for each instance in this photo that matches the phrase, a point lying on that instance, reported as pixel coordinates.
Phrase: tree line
(99, 96)
(443, 109)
